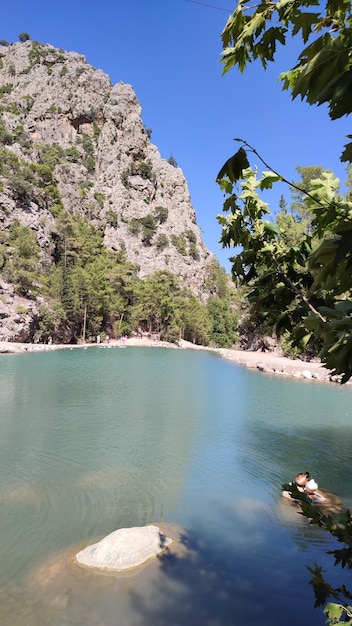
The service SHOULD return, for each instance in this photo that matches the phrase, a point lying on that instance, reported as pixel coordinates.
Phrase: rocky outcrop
(125, 549)
(58, 111)
(17, 314)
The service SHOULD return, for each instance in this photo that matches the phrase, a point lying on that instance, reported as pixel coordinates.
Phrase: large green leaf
(267, 180)
(304, 23)
(347, 153)
(335, 612)
(234, 166)
(271, 228)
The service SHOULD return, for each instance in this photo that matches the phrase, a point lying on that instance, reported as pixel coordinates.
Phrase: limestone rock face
(58, 111)
(125, 549)
(17, 314)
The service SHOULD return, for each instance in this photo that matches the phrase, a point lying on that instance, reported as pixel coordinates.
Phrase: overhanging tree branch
(284, 180)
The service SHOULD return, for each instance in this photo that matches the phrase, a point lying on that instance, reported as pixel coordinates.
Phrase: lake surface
(105, 438)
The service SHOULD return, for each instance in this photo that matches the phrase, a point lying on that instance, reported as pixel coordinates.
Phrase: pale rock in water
(125, 549)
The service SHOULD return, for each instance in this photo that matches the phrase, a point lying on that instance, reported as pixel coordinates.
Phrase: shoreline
(265, 362)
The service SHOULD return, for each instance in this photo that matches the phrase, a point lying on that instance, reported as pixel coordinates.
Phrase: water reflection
(295, 427)
(96, 440)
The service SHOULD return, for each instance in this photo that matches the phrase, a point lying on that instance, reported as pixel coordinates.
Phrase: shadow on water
(210, 583)
(207, 587)
(228, 577)
(202, 579)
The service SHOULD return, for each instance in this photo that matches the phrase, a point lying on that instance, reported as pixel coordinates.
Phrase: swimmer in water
(300, 482)
(326, 501)
(311, 490)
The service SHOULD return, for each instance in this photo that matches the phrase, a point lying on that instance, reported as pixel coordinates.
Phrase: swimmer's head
(302, 479)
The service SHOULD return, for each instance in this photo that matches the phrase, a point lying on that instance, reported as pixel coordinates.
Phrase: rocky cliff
(93, 157)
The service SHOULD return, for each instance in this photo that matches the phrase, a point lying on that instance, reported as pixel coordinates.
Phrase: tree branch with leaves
(323, 72)
(304, 289)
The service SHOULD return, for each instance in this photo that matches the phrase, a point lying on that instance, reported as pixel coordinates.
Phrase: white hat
(311, 485)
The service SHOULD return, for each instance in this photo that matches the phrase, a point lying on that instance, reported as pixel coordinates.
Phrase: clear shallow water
(99, 439)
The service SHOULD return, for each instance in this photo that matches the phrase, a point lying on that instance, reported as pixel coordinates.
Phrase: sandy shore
(266, 362)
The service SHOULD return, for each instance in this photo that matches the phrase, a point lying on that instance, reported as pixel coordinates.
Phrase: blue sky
(169, 51)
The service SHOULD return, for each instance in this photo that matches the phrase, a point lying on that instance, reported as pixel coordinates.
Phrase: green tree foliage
(21, 137)
(87, 289)
(6, 138)
(49, 322)
(194, 252)
(180, 243)
(217, 281)
(6, 89)
(102, 287)
(73, 155)
(122, 276)
(172, 161)
(191, 236)
(160, 306)
(224, 322)
(161, 214)
(21, 188)
(21, 265)
(300, 289)
(298, 197)
(197, 324)
(305, 289)
(31, 182)
(154, 305)
(143, 169)
(222, 306)
(51, 154)
(148, 228)
(81, 272)
(24, 37)
(134, 226)
(111, 216)
(323, 72)
(162, 241)
(89, 163)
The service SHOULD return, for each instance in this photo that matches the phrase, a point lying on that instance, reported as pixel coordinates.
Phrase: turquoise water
(99, 439)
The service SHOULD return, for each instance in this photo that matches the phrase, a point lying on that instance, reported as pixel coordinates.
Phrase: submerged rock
(125, 548)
